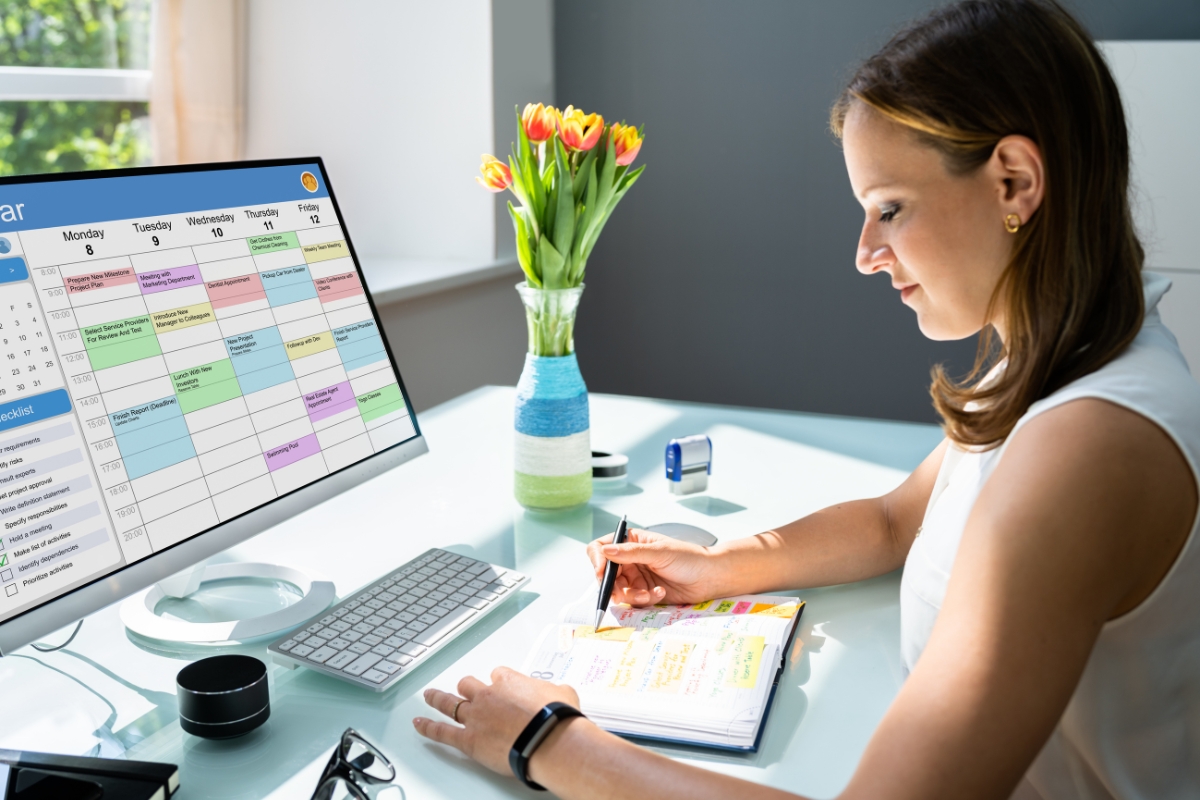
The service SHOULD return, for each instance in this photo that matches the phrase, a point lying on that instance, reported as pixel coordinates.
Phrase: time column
(94, 285)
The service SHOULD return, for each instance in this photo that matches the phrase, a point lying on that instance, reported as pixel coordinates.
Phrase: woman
(1048, 603)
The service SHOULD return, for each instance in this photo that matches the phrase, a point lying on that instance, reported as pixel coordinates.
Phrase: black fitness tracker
(534, 734)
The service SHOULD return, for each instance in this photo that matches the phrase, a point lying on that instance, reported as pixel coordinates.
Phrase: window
(74, 85)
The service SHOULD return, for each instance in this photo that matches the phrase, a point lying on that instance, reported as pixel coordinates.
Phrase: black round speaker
(223, 696)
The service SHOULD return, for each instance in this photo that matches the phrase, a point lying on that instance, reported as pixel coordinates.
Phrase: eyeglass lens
(361, 755)
(339, 788)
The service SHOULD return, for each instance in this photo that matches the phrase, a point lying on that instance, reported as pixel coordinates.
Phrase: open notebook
(702, 674)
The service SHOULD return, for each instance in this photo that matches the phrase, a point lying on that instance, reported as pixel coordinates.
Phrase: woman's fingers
(442, 732)
(469, 686)
(596, 557)
(442, 701)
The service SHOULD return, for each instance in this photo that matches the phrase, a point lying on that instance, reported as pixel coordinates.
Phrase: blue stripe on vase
(554, 417)
(550, 377)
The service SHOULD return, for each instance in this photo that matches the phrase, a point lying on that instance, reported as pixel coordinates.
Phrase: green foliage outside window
(60, 136)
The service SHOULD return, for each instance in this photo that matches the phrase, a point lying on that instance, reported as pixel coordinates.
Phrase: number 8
(542, 676)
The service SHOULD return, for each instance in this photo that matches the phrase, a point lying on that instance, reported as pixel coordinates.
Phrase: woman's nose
(873, 254)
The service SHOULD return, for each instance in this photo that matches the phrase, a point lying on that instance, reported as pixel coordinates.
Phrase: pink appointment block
(161, 280)
(290, 453)
(99, 280)
(335, 287)
(329, 401)
(232, 291)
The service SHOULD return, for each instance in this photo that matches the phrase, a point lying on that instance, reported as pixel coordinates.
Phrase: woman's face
(940, 236)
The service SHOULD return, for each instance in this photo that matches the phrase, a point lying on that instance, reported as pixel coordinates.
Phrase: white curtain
(198, 79)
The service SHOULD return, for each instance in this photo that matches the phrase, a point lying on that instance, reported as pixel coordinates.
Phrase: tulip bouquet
(568, 170)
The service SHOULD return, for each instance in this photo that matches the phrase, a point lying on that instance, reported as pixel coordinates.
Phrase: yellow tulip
(579, 131)
(626, 143)
(496, 175)
(538, 122)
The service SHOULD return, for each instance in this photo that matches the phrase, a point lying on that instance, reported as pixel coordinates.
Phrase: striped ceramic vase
(553, 454)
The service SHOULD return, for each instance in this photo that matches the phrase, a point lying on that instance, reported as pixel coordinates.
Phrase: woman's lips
(906, 291)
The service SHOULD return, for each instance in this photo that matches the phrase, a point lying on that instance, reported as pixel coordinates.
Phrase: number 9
(155, 240)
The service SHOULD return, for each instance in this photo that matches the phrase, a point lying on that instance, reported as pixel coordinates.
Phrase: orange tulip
(496, 175)
(538, 122)
(626, 143)
(579, 131)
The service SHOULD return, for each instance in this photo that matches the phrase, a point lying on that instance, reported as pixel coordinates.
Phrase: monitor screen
(178, 347)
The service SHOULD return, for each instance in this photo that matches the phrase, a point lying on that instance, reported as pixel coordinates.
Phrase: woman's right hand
(656, 569)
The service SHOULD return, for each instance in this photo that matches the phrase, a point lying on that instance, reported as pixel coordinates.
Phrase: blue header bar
(77, 201)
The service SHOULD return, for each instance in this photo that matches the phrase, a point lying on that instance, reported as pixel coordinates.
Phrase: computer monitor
(188, 356)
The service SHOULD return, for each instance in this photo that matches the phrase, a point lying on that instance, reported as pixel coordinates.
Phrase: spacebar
(439, 629)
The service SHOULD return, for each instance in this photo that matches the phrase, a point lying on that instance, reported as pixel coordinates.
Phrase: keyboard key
(444, 626)
(364, 597)
(375, 676)
(301, 650)
(498, 588)
(353, 604)
(375, 620)
(475, 602)
(428, 619)
(383, 649)
(374, 591)
(418, 592)
(387, 613)
(382, 632)
(351, 636)
(476, 568)
(416, 625)
(407, 583)
(395, 641)
(341, 612)
(446, 557)
(449, 605)
(288, 645)
(399, 658)
(388, 583)
(352, 619)
(437, 596)
(338, 643)
(341, 659)
(439, 612)
(360, 648)
(458, 598)
(437, 580)
(390, 667)
(341, 625)
(406, 616)
(371, 640)
(385, 597)
(322, 655)
(395, 624)
(301, 636)
(364, 628)
(427, 602)
(412, 649)
(476, 585)
(363, 663)
(316, 626)
(327, 620)
(457, 583)
(486, 595)
(375, 602)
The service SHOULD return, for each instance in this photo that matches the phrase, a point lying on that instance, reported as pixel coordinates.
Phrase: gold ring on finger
(454, 714)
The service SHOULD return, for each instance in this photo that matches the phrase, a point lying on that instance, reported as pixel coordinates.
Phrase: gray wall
(727, 275)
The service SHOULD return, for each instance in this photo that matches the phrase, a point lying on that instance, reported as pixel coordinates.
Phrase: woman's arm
(839, 544)
(1083, 517)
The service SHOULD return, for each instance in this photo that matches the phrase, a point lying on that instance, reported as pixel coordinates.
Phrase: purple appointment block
(329, 401)
(160, 280)
(290, 453)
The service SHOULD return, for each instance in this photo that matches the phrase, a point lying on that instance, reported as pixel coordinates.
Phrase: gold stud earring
(1012, 223)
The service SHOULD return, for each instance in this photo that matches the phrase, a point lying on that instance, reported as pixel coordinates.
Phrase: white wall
(1160, 86)
(396, 96)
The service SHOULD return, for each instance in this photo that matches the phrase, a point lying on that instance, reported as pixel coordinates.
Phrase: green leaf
(585, 172)
(550, 265)
(524, 247)
(626, 182)
(582, 225)
(564, 222)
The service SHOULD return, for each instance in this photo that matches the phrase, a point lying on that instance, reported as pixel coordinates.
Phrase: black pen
(610, 575)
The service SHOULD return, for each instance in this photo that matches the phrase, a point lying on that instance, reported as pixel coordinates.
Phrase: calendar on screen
(176, 349)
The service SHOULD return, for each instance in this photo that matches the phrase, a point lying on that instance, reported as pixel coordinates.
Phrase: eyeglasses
(357, 771)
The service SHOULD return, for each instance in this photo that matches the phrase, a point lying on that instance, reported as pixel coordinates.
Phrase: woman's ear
(1017, 165)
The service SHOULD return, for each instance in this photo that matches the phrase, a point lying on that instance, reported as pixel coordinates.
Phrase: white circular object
(138, 611)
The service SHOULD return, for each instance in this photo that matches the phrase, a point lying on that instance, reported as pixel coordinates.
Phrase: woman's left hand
(491, 716)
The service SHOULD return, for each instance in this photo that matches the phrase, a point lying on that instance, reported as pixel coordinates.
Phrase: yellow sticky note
(607, 634)
(746, 661)
(667, 676)
(325, 251)
(725, 606)
(784, 610)
(179, 318)
(702, 606)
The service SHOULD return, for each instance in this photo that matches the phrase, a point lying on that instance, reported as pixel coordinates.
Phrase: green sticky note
(3, 559)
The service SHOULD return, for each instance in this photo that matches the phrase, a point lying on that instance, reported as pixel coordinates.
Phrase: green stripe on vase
(550, 492)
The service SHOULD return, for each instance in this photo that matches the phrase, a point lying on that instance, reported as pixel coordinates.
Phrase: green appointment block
(272, 242)
(114, 343)
(376, 403)
(205, 385)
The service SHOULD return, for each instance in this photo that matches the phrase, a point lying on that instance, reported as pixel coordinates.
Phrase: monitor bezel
(104, 590)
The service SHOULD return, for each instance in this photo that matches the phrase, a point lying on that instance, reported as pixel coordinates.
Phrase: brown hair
(963, 78)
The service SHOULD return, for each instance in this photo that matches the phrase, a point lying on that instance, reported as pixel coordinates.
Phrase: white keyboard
(388, 628)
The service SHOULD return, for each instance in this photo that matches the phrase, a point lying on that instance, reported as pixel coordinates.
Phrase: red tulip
(579, 131)
(496, 175)
(626, 143)
(539, 122)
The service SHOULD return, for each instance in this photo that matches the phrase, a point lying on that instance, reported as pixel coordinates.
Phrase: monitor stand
(140, 616)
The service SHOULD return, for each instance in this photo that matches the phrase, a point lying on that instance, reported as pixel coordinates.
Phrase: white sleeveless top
(1131, 731)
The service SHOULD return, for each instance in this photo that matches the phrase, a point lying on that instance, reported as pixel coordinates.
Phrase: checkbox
(10, 590)
(3, 559)
(6, 575)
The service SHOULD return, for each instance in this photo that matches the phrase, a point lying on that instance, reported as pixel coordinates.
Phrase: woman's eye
(889, 213)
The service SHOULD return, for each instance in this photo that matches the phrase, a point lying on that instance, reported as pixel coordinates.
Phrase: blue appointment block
(16, 413)
(157, 458)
